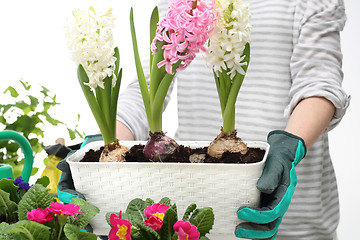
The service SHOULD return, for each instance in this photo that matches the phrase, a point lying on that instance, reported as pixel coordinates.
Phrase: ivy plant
(27, 112)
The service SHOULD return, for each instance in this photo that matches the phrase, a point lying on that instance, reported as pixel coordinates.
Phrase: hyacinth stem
(228, 91)
(103, 103)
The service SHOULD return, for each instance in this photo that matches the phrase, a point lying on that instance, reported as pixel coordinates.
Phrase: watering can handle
(26, 148)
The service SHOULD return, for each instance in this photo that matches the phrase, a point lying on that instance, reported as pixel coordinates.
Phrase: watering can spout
(26, 148)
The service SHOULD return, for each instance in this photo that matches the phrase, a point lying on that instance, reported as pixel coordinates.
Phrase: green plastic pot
(6, 170)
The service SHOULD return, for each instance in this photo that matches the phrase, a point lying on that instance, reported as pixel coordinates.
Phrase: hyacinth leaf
(167, 229)
(114, 100)
(157, 105)
(139, 70)
(153, 25)
(136, 209)
(203, 219)
(8, 186)
(7, 207)
(73, 232)
(229, 113)
(117, 62)
(157, 74)
(88, 212)
(191, 208)
(95, 109)
(30, 230)
(36, 197)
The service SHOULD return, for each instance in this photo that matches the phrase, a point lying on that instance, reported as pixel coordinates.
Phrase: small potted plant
(223, 187)
(146, 220)
(31, 212)
(91, 43)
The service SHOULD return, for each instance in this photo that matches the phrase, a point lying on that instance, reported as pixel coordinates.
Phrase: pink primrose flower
(121, 228)
(61, 209)
(154, 222)
(156, 210)
(186, 231)
(184, 30)
(40, 215)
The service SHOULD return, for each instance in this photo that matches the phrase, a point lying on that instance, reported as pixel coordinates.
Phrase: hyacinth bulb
(159, 147)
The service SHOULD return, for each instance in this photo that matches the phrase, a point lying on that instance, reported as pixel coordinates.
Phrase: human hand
(277, 184)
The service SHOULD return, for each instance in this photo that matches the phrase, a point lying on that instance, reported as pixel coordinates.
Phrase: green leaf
(204, 238)
(25, 84)
(203, 219)
(153, 26)
(149, 202)
(139, 70)
(147, 232)
(88, 212)
(12, 91)
(7, 207)
(36, 197)
(165, 200)
(73, 232)
(31, 230)
(167, 229)
(44, 181)
(136, 209)
(8, 186)
(191, 208)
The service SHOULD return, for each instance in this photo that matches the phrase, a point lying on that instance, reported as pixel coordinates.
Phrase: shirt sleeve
(131, 110)
(317, 59)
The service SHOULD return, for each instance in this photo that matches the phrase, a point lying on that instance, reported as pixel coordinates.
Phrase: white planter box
(224, 187)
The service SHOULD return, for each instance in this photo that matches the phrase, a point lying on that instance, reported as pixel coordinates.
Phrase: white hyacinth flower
(90, 40)
(228, 40)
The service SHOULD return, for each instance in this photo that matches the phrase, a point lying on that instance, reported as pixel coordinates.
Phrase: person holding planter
(292, 97)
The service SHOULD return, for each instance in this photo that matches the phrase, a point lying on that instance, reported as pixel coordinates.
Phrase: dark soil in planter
(183, 154)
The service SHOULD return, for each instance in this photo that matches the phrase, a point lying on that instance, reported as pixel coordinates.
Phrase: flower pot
(224, 187)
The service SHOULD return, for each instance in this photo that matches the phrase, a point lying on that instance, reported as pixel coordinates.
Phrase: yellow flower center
(186, 237)
(121, 233)
(159, 215)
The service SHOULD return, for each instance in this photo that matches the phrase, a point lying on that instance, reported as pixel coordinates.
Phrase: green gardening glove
(277, 185)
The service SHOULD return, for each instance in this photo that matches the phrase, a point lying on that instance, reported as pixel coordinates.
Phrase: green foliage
(28, 114)
(88, 212)
(38, 197)
(202, 218)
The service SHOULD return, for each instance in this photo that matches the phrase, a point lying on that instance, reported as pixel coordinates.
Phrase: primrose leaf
(167, 229)
(88, 212)
(203, 219)
(149, 202)
(136, 209)
(165, 200)
(8, 186)
(73, 232)
(30, 230)
(7, 207)
(44, 181)
(36, 197)
(191, 208)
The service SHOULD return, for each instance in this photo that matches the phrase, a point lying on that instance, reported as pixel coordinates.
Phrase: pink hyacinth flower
(40, 215)
(185, 29)
(61, 209)
(121, 228)
(186, 231)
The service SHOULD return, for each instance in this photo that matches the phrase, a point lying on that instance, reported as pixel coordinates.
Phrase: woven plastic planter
(224, 187)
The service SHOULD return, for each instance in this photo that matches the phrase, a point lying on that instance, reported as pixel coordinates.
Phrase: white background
(33, 47)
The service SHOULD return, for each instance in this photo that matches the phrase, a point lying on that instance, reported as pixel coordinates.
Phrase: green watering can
(6, 170)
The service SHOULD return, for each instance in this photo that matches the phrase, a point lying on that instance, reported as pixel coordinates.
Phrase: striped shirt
(295, 53)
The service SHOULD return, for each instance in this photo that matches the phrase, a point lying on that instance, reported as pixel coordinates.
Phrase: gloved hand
(65, 188)
(277, 184)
